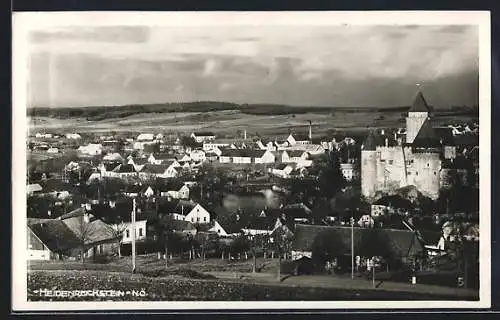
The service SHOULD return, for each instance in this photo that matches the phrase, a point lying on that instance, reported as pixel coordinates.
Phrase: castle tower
(425, 169)
(369, 165)
(417, 115)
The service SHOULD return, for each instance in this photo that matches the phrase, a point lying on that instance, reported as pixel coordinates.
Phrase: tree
(330, 178)
(282, 243)
(118, 230)
(239, 244)
(163, 227)
(328, 246)
(188, 142)
(375, 243)
(84, 231)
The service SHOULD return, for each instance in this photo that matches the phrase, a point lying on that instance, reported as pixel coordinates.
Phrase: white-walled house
(175, 190)
(264, 156)
(158, 170)
(294, 139)
(283, 170)
(73, 136)
(217, 228)
(140, 231)
(163, 159)
(349, 171)
(198, 215)
(37, 249)
(92, 149)
(185, 158)
(211, 145)
(198, 155)
(294, 156)
(143, 137)
(201, 137)
(266, 145)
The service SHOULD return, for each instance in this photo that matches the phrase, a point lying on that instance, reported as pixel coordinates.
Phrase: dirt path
(321, 281)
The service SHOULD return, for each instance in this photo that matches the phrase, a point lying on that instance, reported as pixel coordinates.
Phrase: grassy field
(229, 122)
(217, 279)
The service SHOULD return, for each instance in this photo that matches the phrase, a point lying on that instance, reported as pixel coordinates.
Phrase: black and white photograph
(177, 160)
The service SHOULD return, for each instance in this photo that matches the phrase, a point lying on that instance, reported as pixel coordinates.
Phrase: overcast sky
(297, 65)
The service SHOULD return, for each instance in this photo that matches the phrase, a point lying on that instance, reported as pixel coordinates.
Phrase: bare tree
(118, 230)
(84, 231)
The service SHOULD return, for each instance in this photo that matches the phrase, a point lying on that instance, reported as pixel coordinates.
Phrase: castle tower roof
(426, 137)
(419, 104)
(371, 142)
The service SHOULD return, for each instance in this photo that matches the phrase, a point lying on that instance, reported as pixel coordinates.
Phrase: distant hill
(96, 113)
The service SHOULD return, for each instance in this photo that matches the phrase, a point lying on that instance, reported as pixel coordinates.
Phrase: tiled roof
(402, 242)
(204, 134)
(295, 153)
(124, 168)
(445, 136)
(55, 235)
(371, 142)
(51, 185)
(75, 213)
(419, 104)
(300, 137)
(426, 137)
(247, 153)
(171, 185)
(154, 168)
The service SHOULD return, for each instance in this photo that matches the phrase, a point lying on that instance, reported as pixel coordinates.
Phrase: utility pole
(373, 272)
(352, 248)
(133, 235)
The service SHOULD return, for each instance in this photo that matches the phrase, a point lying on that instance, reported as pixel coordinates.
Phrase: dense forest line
(96, 113)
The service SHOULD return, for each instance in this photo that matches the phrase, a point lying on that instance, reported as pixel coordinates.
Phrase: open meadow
(231, 122)
(221, 280)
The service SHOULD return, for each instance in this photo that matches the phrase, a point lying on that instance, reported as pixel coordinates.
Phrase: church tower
(417, 115)
(369, 165)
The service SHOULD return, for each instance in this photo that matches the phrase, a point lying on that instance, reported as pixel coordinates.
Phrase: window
(390, 161)
(416, 173)
(205, 218)
(127, 234)
(140, 232)
(218, 230)
(409, 173)
(198, 219)
(192, 219)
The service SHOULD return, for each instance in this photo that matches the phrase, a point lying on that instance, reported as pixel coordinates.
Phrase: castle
(390, 162)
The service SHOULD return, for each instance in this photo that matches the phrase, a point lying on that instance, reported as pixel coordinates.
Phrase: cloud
(279, 64)
(225, 86)
(210, 66)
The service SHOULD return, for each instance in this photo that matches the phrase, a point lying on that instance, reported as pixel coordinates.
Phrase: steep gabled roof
(204, 134)
(295, 153)
(55, 235)
(371, 142)
(402, 242)
(124, 168)
(419, 104)
(155, 168)
(445, 136)
(426, 137)
(300, 137)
